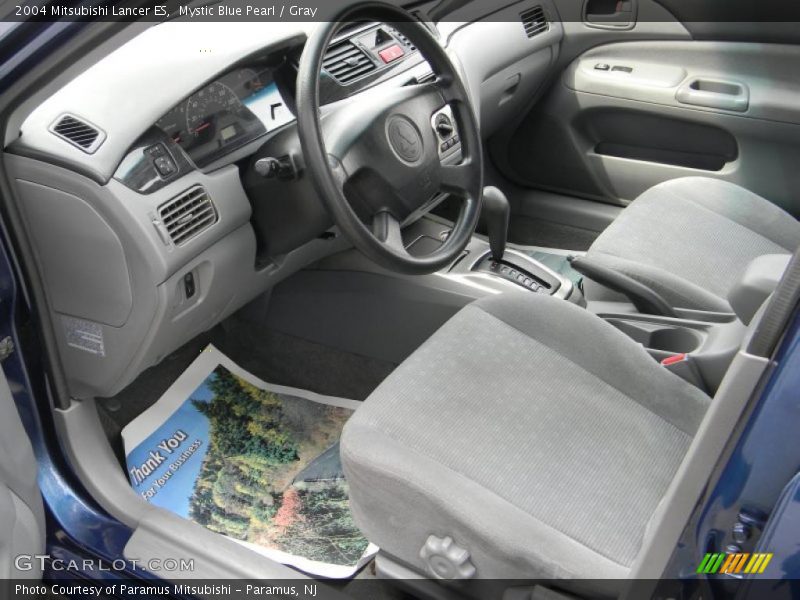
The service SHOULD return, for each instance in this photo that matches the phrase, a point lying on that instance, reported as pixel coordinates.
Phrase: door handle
(609, 14)
(714, 93)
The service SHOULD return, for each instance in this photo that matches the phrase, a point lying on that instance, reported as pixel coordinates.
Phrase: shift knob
(496, 211)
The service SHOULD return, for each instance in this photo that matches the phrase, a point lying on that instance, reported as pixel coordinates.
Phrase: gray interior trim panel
(767, 154)
(21, 509)
(768, 80)
(162, 535)
(69, 236)
(153, 317)
(503, 82)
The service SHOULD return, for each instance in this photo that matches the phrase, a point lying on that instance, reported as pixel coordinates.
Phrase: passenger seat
(689, 239)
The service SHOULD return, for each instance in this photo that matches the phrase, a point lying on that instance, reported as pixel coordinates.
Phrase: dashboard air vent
(187, 215)
(534, 21)
(78, 133)
(345, 62)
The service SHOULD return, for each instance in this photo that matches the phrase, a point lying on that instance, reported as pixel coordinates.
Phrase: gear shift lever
(496, 210)
(521, 270)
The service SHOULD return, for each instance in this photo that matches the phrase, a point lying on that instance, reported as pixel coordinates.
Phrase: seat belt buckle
(685, 367)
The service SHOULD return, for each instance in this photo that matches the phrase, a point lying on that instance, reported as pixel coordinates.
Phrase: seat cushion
(690, 239)
(537, 436)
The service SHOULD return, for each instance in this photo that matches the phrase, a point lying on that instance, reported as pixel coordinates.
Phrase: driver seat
(526, 439)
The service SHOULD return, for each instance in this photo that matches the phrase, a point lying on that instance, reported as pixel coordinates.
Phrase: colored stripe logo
(721, 562)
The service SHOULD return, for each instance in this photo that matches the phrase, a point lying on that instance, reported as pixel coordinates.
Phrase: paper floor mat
(256, 462)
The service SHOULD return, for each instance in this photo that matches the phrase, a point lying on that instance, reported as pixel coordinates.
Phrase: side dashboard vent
(187, 215)
(78, 133)
(346, 62)
(534, 20)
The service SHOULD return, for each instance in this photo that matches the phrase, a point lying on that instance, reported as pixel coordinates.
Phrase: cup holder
(657, 336)
(674, 340)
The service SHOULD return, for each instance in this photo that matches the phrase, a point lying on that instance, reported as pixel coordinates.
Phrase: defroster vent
(187, 215)
(78, 133)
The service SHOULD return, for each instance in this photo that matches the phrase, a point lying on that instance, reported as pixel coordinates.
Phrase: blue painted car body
(760, 475)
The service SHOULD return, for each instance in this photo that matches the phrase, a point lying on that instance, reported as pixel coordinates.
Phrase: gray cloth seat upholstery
(537, 436)
(689, 239)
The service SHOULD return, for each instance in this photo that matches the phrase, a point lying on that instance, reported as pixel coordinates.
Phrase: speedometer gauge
(246, 81)
(213, 100)
(234, 110)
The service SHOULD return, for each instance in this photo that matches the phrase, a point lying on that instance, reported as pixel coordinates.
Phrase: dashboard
(229, 112)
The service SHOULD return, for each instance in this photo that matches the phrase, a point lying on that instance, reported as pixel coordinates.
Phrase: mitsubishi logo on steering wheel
(404, 138)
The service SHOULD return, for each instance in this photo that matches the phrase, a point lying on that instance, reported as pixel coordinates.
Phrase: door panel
(21, 511)
(626, 116)
(748, 80)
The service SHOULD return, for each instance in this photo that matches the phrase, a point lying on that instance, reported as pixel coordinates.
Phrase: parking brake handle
(645, 300)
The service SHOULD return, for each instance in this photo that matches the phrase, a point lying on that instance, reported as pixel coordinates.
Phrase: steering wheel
(375, 159)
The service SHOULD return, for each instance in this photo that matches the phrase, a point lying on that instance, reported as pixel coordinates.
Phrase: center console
(490, 264)
(698, 345)
(511, 266)
(518, 269)
(480, 266)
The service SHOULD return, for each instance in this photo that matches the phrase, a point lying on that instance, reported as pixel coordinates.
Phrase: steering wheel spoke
(457, 179)
(446, 86)
(386, 228)
(337, 171)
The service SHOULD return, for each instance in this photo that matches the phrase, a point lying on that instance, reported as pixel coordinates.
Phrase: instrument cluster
(229, 112)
